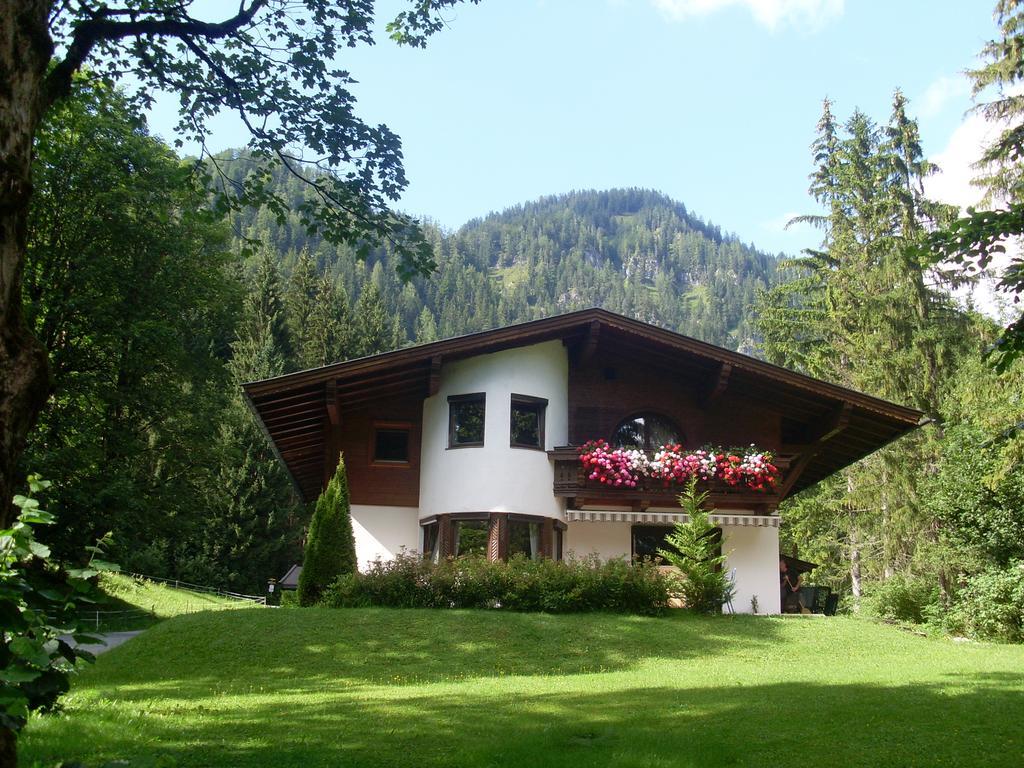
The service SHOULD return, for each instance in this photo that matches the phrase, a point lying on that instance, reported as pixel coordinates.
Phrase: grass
(319, 687)
(134, 603)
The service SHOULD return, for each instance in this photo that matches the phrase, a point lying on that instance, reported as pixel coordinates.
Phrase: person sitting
(789, 589)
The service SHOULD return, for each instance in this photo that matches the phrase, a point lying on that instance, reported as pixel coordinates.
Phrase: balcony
(571, 483)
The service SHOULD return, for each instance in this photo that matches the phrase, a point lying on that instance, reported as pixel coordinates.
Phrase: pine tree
(300, 304)
(330, 546)
(426, 327)
(254, 517)
(329, 331)
(694, 549)
(370, 322)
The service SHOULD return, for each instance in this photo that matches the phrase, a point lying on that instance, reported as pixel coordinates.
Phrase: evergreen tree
(426, 328)
(370, 322)
(329, 331)
(974, 240)
(694, 549)
(330, 547)
(300, 304)
(254, 516)
(863, 311)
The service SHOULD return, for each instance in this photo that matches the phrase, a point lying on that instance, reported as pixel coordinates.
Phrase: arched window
(647, 431)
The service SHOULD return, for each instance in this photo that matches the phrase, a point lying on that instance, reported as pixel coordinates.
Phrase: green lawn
(133, 603)
(378, 687)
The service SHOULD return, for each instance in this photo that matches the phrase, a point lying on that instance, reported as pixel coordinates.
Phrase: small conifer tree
(694, 550)
(331, 547)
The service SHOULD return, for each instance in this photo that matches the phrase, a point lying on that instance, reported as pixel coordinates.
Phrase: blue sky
(712, 102)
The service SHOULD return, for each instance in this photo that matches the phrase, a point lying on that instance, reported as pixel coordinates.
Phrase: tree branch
(102, 28)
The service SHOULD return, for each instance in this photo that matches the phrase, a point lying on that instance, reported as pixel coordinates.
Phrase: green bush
(573, 586)
(991, 606)
(694, 550)
(331, 547)
(904, 598)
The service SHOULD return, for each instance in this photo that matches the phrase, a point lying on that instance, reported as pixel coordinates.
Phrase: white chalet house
(471, 444)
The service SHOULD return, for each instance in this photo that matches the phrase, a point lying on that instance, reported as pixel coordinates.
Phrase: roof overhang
(841, 425)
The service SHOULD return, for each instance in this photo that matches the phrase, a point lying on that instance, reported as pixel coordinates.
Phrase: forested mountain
(631, 251)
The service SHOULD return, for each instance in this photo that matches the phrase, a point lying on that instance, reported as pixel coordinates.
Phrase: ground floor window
(469, 537)
(524, 538)
(496, 535)
(648, 539)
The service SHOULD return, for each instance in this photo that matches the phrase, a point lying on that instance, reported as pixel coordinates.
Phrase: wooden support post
(497, 536)
(445, 540)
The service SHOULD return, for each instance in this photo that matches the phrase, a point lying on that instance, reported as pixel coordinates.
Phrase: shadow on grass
(792, 724)
(315, 648)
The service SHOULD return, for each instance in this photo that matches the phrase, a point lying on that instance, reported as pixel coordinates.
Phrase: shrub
(704, 585)
(331, 547)
(991, 605)
(520, 584)
(904, 598)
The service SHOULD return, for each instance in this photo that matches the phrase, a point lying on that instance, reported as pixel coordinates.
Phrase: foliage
(903, 598)
(129, 285)
(972, 241)
(631, 251)
(866, 310)
(695, 550)
(314, 688)
(990, 605)
(521, 584)
(268, 61)
(38, 606)
(331, 547)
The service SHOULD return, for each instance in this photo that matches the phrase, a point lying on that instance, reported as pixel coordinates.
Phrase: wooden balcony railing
(571, 483)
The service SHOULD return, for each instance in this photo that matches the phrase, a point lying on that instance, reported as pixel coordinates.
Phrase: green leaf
(19, 674)
(39, 550)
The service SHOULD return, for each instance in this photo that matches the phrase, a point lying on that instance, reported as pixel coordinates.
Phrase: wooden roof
(828, 425)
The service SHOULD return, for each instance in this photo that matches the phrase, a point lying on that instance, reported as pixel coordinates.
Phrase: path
(110, 640)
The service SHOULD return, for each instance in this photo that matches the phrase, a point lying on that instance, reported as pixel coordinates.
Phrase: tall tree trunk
(25, 51)
(854, 539)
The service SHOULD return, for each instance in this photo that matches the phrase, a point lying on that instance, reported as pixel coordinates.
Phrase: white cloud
(811, 14)
(940, 93)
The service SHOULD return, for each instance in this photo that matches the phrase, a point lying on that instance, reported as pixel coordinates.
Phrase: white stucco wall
(496, 477)
(383, 531)
(606, 540)
(754, 553)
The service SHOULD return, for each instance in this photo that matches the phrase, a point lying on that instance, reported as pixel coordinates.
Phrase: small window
(648, 539)
(648, 431)
(466, 420)
(391, 443)
(469, 537)
(524, 539)
(431, 551)
(527, 428)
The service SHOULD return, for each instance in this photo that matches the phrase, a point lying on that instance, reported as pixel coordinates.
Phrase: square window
(391, 445)
(469, 537)
(527, 423)
(466, 420)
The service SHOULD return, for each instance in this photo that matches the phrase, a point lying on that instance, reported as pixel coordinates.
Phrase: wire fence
(139, 618)
(178, 584)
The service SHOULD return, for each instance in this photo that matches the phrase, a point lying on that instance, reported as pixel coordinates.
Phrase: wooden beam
(434, 377)
(718, 385)
(589, 347)
(833, 426)
(331, 392)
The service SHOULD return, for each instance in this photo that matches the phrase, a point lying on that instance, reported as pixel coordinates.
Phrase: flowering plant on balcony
(674, 465)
